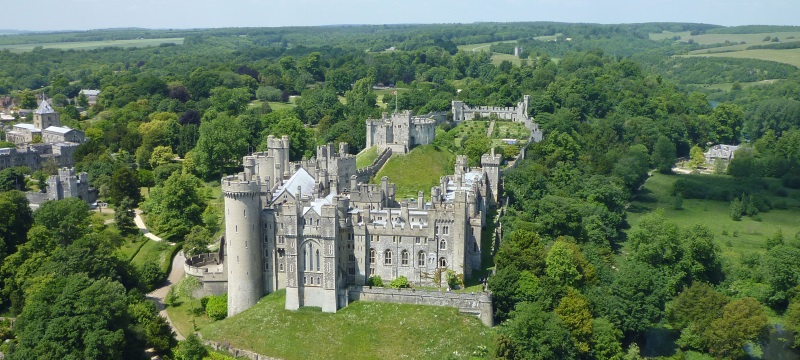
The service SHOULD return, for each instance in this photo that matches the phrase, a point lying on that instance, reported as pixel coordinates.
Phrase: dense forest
(572, 277)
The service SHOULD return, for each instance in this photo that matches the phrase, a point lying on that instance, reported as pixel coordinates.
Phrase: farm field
(89, 45)
(362, 330)
(708, 39)
(497, 58)
(786, 56)
(419, 170)
(735, 238)
(729, 86)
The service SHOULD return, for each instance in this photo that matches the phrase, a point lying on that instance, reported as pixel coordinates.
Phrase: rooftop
(44, 108)
(58, 129)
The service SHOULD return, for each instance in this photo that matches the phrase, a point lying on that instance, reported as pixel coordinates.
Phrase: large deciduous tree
(222, 143)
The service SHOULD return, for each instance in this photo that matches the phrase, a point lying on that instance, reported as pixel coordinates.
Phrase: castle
(311, 228)
(57, 146)
(519, 113)
(402, 131)
(67, 184)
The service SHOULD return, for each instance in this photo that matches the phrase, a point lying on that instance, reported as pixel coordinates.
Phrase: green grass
(89, 45)
(743, 237)
(786, 56)
(728, 86)
(709, 39)
(366, 157)
(186, 314)
(497, 58)
(154, 251)
(362, 330)
(419, 170)
(387, 94)
(130, 249)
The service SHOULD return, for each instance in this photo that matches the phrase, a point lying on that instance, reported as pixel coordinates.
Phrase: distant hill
(11, 31)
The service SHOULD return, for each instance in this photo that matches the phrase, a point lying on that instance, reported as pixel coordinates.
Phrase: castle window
(442, 262)
(416, 240)
(387, 257)
(351, 258)
(317, 260)
(372, 256)
(245, 244)
(371, 271)
(236, 228)
(475, 247)
(305, 280)
(305, 258)
(310, 259)
(446, 228)
(421, 258)
(245, 212)
(351, 271)
(443, 245)
(404, 258)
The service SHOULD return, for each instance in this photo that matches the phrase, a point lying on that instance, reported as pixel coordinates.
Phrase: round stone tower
(243, 241)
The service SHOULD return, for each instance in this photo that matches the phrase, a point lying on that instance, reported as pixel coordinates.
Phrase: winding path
(140, 224)
(158, 295)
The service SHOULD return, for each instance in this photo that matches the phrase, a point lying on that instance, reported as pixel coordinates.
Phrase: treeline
(777, 46)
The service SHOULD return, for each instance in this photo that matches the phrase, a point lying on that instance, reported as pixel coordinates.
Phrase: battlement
(236, 186)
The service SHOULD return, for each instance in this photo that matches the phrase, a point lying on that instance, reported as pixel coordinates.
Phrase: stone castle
(311, 228)
(402, 131)
(519, 113)
(57, 145)
(317, 228)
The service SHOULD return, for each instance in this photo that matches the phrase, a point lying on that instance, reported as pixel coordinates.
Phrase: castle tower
(461, 164)
(243, 241)
(491, 166)
(45, 117)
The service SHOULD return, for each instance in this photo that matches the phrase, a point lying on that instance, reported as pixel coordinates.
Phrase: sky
(181, 14)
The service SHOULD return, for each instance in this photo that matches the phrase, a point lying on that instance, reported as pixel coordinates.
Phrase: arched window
(317, 259)
(421, 258)
(310, 258)
(442, 262)
(404, 258)
(443, 245)
(372, 256)
(305, 259)
(387, 257)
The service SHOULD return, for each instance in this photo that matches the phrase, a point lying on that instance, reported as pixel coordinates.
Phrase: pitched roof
(26, 126)
(58, 129)
(300, 178)
(44, 108)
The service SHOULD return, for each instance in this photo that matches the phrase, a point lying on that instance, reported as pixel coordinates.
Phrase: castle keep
(312, 228)
(402, 131)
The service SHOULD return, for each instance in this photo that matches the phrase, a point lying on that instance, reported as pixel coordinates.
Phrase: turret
(420, 200)
(244, 261)
(491, 166)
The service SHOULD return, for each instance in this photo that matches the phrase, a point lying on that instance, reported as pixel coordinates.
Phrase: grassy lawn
(186, 313)
(274, 105)
(89, 45)
(362, 330)
(130, 249)
(153, 251)
(387, 94)
(366, 157)
(419, 170)
(735, 238)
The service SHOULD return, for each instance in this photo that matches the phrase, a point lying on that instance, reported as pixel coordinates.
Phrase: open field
(786, 56)
(729, 86)
(362, 330)
(708, 39)
(89, 45)
(735, 238)
(497, 58)
(273, 104)
(387, 94)
(419, 170)
(366, 157)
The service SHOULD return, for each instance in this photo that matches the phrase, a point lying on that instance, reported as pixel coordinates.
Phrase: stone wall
(478, 304)
(238, 353)
(364, 174)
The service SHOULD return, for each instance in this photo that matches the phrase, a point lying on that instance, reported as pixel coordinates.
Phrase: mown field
(735, 238)
(786, 56)
(89, 45)
(419, 170)
(362, 330)
(738, 44)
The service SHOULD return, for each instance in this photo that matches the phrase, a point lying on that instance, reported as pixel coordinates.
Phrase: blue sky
(95, 14)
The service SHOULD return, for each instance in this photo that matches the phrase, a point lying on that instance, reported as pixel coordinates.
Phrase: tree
(792, 318)
(176, 206)
(222, 144)
(533, 333)
(780, 268)
(27, 100)
(13, 178)
(574, 312)
(73, 317)
(664, 155)
(161, 155)
(124, 184)
(696, 157)
(230, 101)
(66, 220)
(560, 265)
(742, 320)
(190, 349)
(149, 275)
(197, 240)
(522, 250)
(123, 217)
(606, 340)
(16, 218)
(693, 311)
